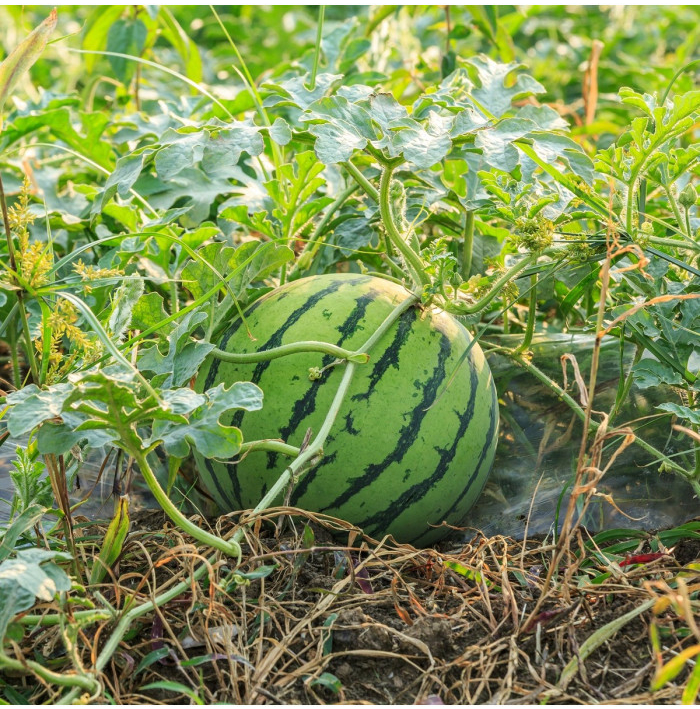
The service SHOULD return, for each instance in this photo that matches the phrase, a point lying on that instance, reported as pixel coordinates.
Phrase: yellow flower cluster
(33, 260)
(93, 273)
(62, 322)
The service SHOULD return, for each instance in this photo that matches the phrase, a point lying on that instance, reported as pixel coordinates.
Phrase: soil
(328, 616)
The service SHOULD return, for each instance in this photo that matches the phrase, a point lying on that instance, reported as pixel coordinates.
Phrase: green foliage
(155, 191)
(32, 574)
(181, 167)
(31, 487)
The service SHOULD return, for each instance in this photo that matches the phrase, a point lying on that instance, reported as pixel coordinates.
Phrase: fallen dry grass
(319, 614)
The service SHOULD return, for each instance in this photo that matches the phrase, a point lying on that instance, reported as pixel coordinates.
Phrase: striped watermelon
(405, 452)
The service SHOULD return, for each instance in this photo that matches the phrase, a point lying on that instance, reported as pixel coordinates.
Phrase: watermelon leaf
(184, 355)
(204, 431)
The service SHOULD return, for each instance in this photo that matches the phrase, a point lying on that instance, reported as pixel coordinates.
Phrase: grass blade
(18, 62)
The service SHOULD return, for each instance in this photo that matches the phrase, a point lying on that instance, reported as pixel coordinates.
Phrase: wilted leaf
(113, 541)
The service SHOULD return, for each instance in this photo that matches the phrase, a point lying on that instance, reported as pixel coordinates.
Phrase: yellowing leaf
(113, 541)
(672, 668)
(23, 56)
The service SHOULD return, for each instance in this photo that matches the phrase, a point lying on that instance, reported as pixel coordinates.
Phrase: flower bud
(688, 196)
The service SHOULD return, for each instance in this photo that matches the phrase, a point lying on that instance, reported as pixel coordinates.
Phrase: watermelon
(407, 451)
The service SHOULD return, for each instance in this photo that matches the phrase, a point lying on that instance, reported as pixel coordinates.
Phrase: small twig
(590, 83)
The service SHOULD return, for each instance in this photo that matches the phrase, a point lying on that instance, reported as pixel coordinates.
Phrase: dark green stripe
(305, 406)
(407, 434)
(390, 356)
(215, 475)
(383, 364)
(275, 340)
(493, 426)
(211, 379)
(385, 517)
(350, 425)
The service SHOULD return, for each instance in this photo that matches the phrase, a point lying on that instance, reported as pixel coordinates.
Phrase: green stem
(292, 348)
(280, 485)
(16, 371)
(380, 14)
(629, 209)
(386, 276)
(531, 316)
(107, 340)
(132, 446)
(315, 448)
(78, 681)
(174, 297)
(399, 276)
(248, 78)
(128, 619)
(506, 318)
(6, 224)
(317, 54)
(395, 314)
(690, 65)
(361, 180)
(130, 57)
(674, 206)
(29, 348)
(308, 456)
(624, 390)
(468, 247)
(642, 201)
(82, 617)
(675, 243)
(314, 243)
(271, 445)
(593, 202)
(463, 309)
(131, 343)
(9, 319)
(411, 258)
(696, 445)
(211, 321)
